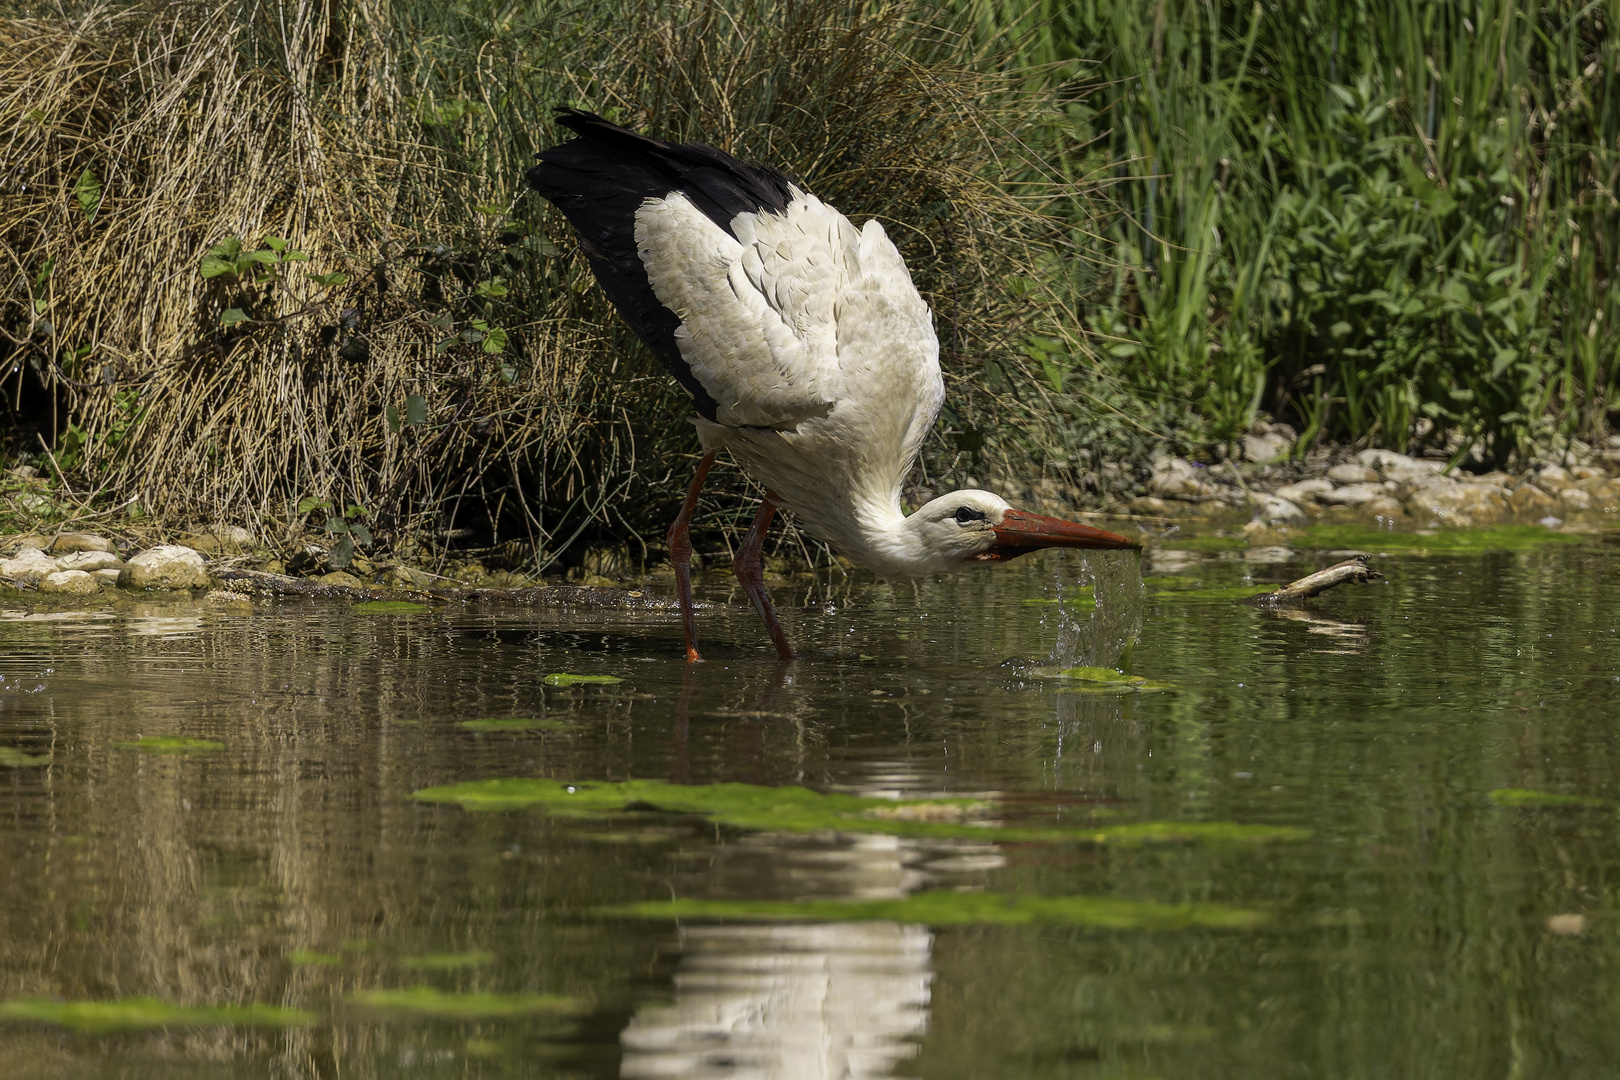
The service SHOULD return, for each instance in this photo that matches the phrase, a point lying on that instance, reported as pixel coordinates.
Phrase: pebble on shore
(1389, 488)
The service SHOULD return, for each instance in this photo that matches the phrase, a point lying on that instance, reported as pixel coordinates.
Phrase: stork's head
(969, 527)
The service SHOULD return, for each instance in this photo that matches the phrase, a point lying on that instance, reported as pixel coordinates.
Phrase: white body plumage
(821, 355)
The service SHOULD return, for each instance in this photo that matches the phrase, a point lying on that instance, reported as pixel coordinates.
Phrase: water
(1099, 632)
(1409, 935)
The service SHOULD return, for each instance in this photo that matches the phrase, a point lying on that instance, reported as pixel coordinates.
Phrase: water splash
(1098, 636)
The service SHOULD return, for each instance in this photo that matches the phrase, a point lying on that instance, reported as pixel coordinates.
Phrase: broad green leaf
(87, 189)
(342, 553)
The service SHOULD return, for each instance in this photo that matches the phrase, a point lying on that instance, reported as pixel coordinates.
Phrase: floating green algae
(424, 1001)
(447, 961)
(11, 758)
(1440, 541)
(1101, 680)
(135, 1013)
(171, 744)
(797, 809)
(562, 678)
(1528, 797)
(390, 607)
(950, 908)
(1102, 675)
(518, 723)
(311, 958)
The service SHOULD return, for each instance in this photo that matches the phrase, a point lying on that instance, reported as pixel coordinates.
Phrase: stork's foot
(749, 567)
(680, 557)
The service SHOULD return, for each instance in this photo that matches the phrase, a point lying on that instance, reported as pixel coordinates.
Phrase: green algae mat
(136, 1013)
(959, 908)
(1436, 541)
(797, 809)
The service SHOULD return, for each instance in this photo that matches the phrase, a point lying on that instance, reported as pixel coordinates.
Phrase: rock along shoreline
(1259, 501)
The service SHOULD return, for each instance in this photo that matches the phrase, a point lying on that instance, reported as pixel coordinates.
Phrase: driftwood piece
(259, 583)
(1354, 569)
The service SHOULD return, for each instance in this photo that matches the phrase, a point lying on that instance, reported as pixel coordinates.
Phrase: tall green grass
(1391, 222)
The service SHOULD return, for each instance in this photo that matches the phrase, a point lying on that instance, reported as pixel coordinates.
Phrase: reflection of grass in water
(171, 744)
(134, 1013)
(1448, 541)
(311, 958)
(424, 1001)
(1215, 592)
(1527, 797)
(447, 961)
(950, 908)
(390, 607)
(512, 724)
(1204, 543)
(562, 678)
(11, 758)
(796, 809)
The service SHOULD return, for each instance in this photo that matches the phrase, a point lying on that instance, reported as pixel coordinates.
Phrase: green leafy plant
(349, 526)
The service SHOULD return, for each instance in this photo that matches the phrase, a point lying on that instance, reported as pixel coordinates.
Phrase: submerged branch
(1355, 569)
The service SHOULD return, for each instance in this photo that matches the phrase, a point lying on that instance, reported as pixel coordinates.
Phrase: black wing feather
(600, 179)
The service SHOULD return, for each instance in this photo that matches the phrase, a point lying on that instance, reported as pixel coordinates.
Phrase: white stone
(222, 539)
(1399, 467)
(109, 575)
(1450, 502)
(167, 566)
(29, 564)
(1385, 508)
(1304, 491)
(1353, 473)
(1265, 447)
(88, 560)
(69, 583)
(1575, 500)
(69, 542)
(1554, 476)
(1354, 494)
(1277, 510)
(1177, 479)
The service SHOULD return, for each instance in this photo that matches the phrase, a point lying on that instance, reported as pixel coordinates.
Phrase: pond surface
(1427, 767)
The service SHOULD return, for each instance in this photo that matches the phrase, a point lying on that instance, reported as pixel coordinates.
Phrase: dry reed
(388, 142)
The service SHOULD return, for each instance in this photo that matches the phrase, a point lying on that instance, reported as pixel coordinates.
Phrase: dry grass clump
(441, 358)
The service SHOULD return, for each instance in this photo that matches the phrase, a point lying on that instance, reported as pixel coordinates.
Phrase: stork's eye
(965, 514)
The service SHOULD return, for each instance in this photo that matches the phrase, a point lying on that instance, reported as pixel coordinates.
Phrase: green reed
(1387, 221)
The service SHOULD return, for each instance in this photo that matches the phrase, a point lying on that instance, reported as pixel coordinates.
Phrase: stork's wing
(791, 315)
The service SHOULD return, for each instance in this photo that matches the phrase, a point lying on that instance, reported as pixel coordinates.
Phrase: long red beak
(1022, 532)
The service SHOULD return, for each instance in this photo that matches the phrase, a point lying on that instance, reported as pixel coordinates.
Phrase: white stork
(804, 345)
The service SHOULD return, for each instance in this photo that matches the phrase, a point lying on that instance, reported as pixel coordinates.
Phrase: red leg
(750, 570)
(680, 555)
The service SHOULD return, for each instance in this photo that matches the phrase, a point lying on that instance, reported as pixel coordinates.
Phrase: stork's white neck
(894, 545)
